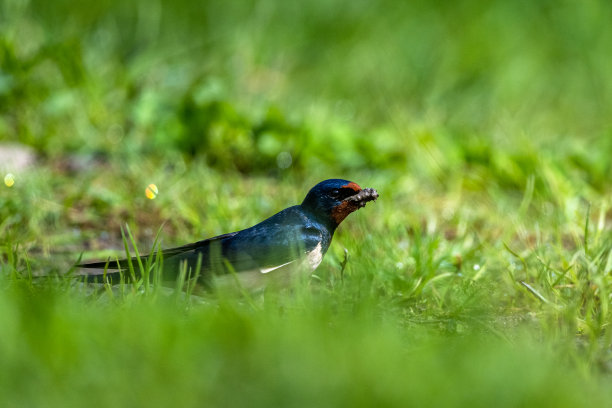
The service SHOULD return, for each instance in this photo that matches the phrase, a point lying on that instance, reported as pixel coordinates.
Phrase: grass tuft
(481, 276)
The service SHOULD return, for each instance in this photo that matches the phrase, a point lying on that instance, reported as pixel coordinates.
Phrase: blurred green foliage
(427, 87)
(481, 276)
(153, 354)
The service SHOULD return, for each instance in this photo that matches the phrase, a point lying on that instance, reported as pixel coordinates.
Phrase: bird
(295, 238)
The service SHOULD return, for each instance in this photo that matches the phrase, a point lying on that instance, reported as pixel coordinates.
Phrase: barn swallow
(295, 238)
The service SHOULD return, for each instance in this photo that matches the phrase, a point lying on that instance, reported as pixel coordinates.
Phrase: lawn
(480, 277)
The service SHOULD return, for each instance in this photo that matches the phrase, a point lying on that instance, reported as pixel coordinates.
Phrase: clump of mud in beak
(353, 203)
(360, 199)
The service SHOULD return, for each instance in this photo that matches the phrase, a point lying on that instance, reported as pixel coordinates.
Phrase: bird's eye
(335, 192)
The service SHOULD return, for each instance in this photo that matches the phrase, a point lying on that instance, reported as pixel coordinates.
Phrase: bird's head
(332, 200)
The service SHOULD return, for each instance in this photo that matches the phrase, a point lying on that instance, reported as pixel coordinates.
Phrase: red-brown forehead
(353, 186)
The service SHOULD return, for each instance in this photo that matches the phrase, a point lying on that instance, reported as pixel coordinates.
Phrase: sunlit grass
(429, 310)
(480, 277)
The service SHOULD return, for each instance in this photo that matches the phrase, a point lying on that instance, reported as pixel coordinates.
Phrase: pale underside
(280, 275)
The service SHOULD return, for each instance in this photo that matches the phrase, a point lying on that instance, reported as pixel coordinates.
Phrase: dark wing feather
(282, 238)
(171, 256)
(267, 246)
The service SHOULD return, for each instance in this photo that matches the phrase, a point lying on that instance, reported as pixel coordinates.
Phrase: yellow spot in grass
(9, 180)
(151, 191)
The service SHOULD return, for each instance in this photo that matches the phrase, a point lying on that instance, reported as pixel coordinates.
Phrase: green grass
(480, 277)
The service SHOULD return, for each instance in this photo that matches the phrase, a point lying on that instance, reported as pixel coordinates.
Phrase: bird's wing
(275, 242)
(267, 248)
(181, 251)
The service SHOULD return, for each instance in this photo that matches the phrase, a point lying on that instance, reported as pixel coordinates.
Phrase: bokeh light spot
(151, 191)
(9, 179)
(284, 160)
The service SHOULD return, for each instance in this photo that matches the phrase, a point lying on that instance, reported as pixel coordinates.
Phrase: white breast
(281, 274)
(314, 257)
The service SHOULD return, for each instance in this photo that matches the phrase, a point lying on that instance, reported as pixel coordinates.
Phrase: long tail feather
(113, 265)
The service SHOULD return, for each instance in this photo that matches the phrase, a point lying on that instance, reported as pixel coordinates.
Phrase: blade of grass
(144, 273)
(537, 294)
(192, 282)
(180, 280)
(128, 256)
(586, 229)
(150, 259)
(241, 288)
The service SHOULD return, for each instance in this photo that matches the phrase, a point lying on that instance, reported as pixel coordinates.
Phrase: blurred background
(420, 87)
(481, 275)
(495, 98)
